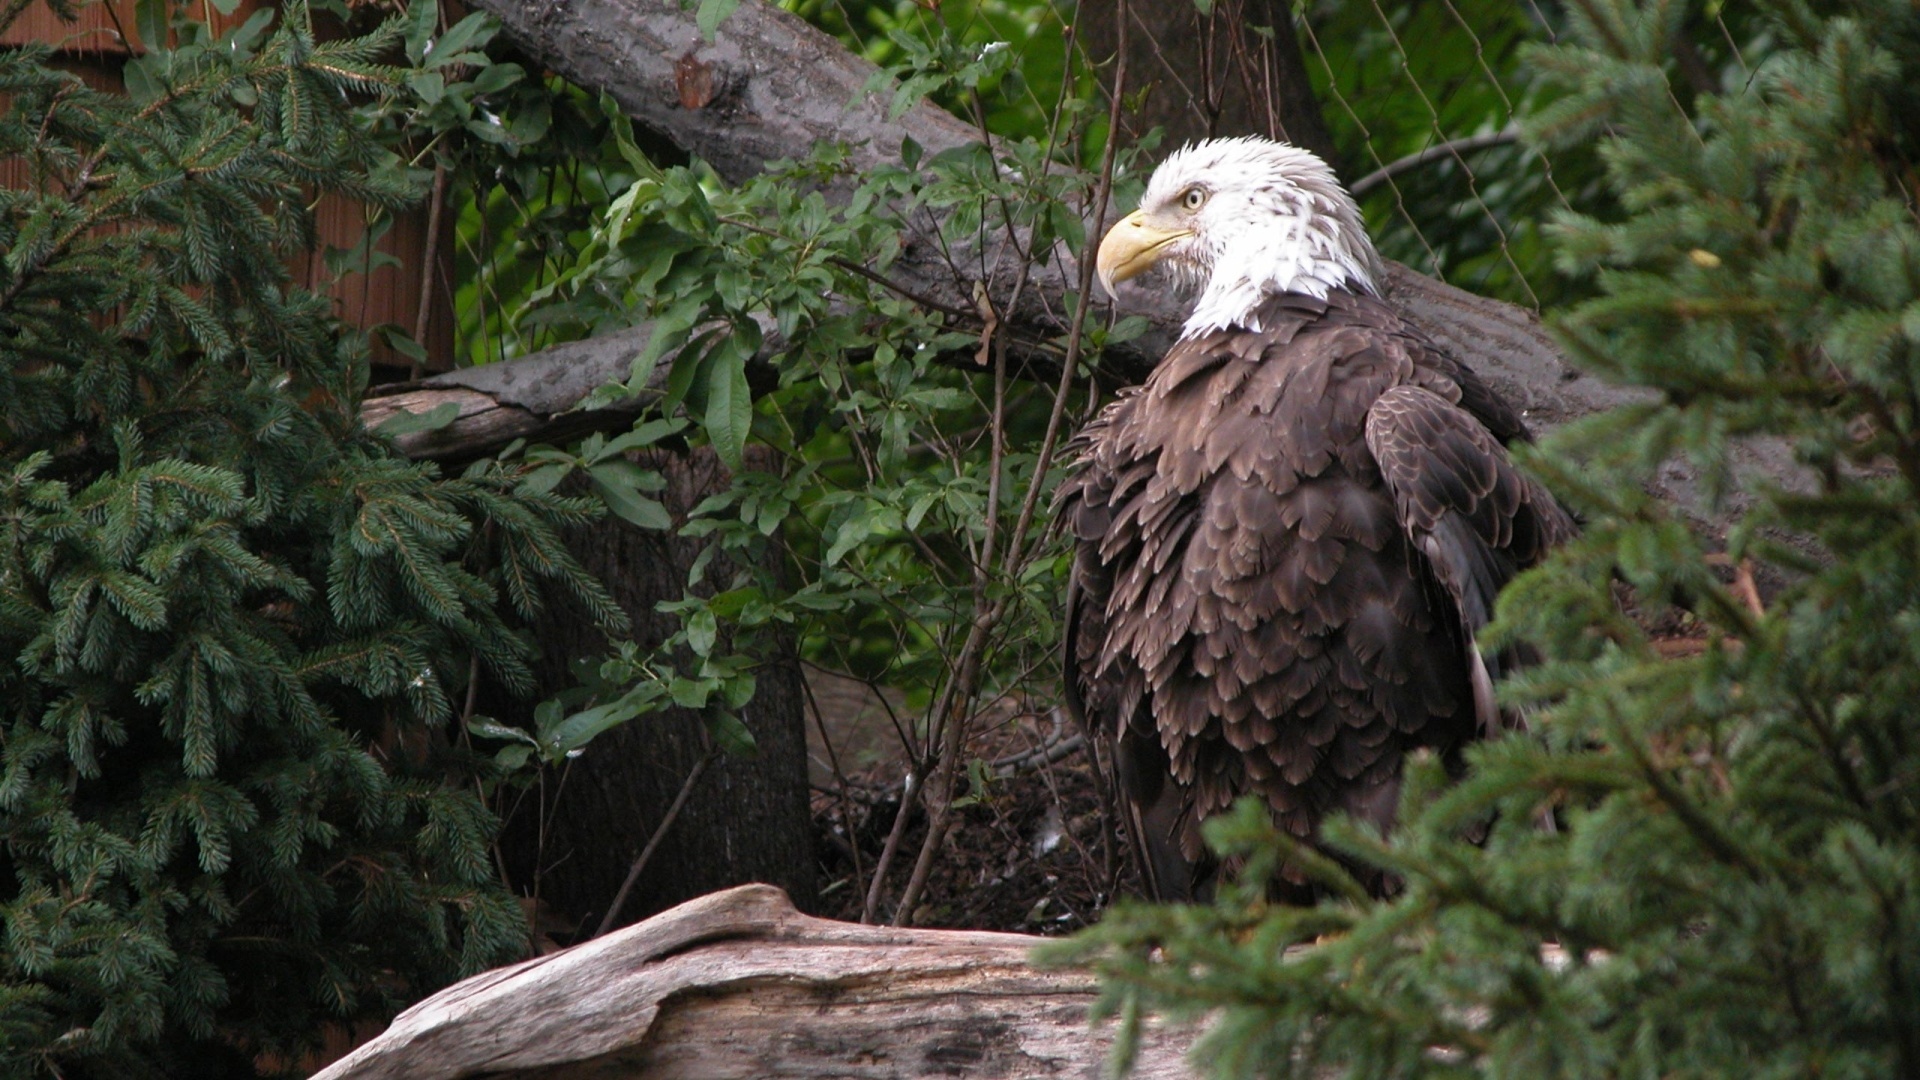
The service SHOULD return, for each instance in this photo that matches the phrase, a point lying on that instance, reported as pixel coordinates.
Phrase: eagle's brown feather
(1286, 540)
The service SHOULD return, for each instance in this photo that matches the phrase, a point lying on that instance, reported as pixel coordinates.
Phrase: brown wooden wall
(93, 48)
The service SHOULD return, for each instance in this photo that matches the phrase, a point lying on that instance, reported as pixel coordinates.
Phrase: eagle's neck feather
(1309, 242)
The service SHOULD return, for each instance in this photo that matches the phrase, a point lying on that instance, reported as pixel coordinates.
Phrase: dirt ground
(1031, 854)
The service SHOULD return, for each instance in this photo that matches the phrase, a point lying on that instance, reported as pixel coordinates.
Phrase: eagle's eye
(1193, 200)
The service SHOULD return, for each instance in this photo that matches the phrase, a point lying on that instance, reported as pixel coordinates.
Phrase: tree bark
(1235, 70)
(739, 984)
(747, 819)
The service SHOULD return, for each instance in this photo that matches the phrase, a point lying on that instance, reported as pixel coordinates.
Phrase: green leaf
(497, 77)
(544, 479)
(739, 690)
(702, 631)
(618, 470)
(1068, 226)
(730, 734)
(410, 423)
(689, 693)
(643, 435)
(582, 727)
(242, 40)
(630, 505)
(150, 22)
(428, 86)
(471, 32)
(711, 14)
(422, 17)
(729, 417)
(402, 342)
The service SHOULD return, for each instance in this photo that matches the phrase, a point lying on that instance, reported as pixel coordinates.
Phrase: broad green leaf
(471, 32)
(428, 86)
(150, 22)
(702, 631)
(730, 734)
(711, 14)
(496, 77)
(422, 17)
(580, 728)
(618, 470)
(689, 693)
(1068, 226)
(545, 478)
(645, 434)
(402, 342)
(739, 690)
(627, 503)
(729, 417)
(242, 40)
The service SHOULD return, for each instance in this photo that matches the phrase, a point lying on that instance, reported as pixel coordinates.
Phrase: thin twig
(1450, 149)
(435, 208)
(653, 842)
(851, 267)
(1044, 754)
(839, 778)
(907, 796)
(950, 750)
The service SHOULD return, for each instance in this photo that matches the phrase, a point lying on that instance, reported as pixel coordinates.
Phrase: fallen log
(739, 984)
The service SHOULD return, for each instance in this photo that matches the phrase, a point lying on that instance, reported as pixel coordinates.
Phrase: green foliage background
(235, 625)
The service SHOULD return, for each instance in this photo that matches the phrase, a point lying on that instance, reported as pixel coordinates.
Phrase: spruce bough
(234, 627)
(1733, 888)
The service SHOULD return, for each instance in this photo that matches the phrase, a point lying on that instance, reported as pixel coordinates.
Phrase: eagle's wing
(1466, 508)
(1113, 708)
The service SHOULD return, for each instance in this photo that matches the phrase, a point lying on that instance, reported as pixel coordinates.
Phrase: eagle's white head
(1242, 220)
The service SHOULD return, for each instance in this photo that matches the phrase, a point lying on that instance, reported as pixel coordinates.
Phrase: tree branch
(1452, 148)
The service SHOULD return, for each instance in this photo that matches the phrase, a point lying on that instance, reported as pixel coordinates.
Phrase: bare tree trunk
(745, 819)
(1235, 70)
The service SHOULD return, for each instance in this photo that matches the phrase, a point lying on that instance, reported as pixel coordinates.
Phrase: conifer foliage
(234, 627)
(1733, 886)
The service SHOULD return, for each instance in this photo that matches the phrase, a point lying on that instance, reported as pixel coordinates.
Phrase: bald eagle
(1287, 538)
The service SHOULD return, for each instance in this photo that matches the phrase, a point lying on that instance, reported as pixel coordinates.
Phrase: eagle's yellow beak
(1132, 247)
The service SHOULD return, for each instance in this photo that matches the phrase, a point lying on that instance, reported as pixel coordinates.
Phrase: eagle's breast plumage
(1285, 541)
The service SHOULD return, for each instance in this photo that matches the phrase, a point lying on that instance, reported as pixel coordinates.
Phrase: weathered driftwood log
(739, 984)
(532, 398)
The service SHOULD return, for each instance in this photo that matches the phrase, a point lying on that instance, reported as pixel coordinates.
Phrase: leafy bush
(1734, 884)
(234, 625)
